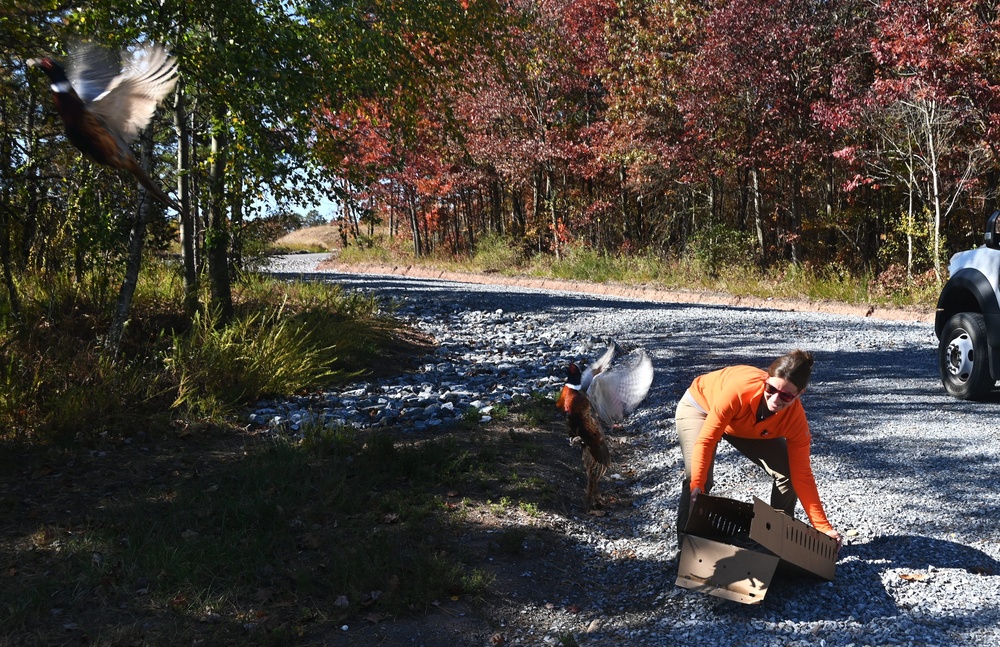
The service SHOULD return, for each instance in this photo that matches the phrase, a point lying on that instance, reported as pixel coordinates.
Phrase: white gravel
(909, 474)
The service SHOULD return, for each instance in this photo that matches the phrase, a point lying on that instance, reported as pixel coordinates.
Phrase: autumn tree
(924, 120)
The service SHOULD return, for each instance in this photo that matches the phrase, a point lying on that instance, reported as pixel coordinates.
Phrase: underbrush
(58, 382)
(729, 273)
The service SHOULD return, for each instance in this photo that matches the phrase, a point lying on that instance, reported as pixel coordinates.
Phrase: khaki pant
(770, 454)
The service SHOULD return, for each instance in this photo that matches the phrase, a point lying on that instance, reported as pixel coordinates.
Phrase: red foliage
(601, 120)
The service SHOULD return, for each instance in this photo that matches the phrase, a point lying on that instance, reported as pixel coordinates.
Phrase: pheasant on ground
(104, 102)
(598, 398)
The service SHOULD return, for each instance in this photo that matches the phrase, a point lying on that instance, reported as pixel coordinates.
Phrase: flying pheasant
(598, 398)
(104, 103)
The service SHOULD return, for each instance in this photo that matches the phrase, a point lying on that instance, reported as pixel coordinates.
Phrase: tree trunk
(6, 219)
(414, 224)
(188, 237)
(137, 237)
(217, 236)
(795, 217)
(8, 275)
(910, 189)
(758, 215)
(550, 199)
(30, 228)
(236, 219)
(930, 119)
(496, 206)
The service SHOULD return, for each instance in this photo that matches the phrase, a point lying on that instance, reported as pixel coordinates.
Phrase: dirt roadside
(644, 292)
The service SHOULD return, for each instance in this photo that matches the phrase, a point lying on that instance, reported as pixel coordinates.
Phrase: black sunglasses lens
(771, 390)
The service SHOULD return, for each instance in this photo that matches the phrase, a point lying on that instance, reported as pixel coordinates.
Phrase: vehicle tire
(963, 357)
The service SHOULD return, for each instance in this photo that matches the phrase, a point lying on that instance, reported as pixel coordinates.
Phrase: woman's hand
(836, 535)
(695, 491)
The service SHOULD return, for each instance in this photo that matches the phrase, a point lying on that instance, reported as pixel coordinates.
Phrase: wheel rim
(960, 356)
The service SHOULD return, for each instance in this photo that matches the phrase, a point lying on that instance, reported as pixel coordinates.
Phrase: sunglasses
(784, 396)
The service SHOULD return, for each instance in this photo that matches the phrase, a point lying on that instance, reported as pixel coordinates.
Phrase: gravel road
(907, 473)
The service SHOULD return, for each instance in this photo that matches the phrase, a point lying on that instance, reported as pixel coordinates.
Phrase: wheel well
(969, 291)
(960, 301)
(952, 302)
(966, 291)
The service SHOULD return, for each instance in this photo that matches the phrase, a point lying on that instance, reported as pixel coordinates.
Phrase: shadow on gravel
(901, 551)
(861, 569)
(516, 300)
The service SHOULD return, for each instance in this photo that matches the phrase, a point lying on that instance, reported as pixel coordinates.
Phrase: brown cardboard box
(731, 549)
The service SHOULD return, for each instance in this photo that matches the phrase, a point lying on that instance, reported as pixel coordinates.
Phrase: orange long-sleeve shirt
(731, 397)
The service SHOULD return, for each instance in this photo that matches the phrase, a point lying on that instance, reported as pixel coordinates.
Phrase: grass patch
(58, 383)
(322, 238)
(257, 541)
(366, 254)
(717, 262)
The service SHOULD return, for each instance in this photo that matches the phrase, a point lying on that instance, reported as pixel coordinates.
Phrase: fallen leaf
(179, 600)
(452, 494)
(914, 577)
(392, 517)
(497, 640)
(594, 625)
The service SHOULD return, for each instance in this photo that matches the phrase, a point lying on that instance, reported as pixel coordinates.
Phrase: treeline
(849, 133)
(845, 133)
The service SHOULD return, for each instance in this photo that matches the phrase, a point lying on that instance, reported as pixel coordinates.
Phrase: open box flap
(793, 541)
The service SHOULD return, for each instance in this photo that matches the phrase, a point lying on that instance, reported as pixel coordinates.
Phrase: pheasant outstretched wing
(600, 364)
(91, 69)
(125, 102)
(617, 391)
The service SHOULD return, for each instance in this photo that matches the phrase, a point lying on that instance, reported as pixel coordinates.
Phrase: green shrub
(715, 248)
(496, 253)
(57, 381)
(218, 367)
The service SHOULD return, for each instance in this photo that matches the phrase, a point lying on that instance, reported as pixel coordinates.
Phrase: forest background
(851, 138)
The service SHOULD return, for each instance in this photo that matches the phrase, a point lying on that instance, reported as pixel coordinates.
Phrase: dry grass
(830, 283)
(323, 238)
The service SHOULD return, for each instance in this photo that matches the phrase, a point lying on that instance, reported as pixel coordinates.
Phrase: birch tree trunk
(188, 237)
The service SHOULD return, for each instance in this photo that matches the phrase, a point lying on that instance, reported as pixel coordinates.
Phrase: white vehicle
(967, 323)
